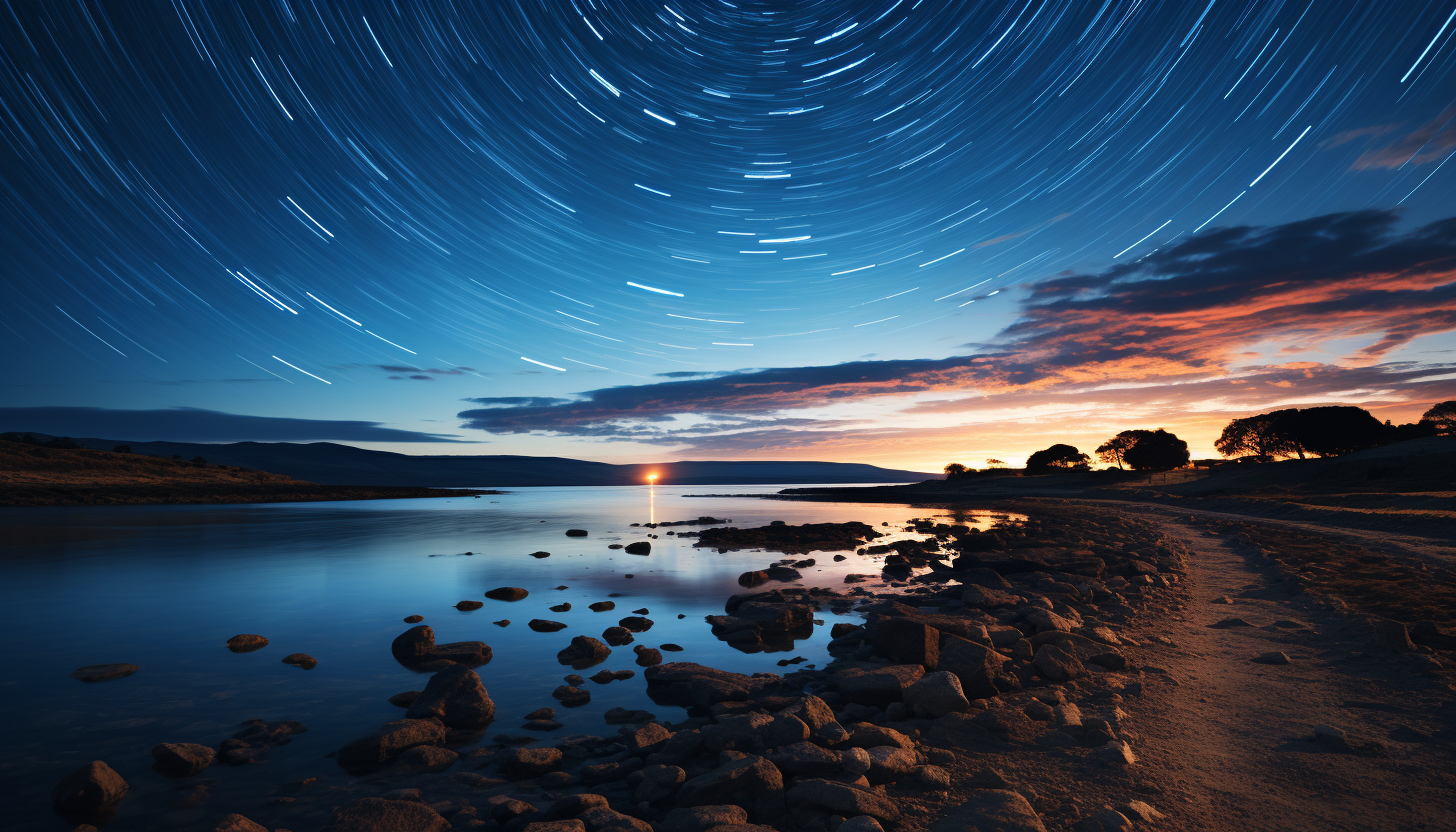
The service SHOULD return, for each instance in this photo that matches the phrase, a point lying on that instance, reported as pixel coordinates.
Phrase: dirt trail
(1229, 740)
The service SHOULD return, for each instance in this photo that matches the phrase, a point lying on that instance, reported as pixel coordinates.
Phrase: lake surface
(164, 587)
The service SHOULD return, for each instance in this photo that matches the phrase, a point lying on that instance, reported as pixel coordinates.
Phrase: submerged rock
(104, 672)
(584, 652)
(389, 741)
(507, 593)
(90, 794)
(302, 660)
(182, 759)
(246, 643)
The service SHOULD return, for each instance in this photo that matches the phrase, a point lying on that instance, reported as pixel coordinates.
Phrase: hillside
(333, 464)
(32, 475)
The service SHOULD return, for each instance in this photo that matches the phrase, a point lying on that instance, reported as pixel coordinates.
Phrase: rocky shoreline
(1000, 688)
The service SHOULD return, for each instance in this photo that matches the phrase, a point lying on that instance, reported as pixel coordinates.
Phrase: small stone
(576, 532)
(1116, 754)
(529, 762)
(404, 700)
(237, 823)
(1274, 657)
(1229, 623)
(302, 660)
(542, 625)
(413, 619)
(570, 696)
(565, 606)
(466, 606)
(855, 761)
(507, 593)
(104, 672)
(246, 643)
(933, 777)
(539, 555)
(602, 606)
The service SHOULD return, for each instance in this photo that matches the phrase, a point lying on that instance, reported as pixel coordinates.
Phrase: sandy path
(1227, 739)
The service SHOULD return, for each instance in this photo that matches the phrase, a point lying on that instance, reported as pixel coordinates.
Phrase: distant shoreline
(119, 495)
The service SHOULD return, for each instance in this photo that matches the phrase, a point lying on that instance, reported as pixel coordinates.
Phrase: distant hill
(328, 463)
(33, 476)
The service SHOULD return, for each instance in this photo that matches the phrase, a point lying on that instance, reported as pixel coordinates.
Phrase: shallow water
(164, 587)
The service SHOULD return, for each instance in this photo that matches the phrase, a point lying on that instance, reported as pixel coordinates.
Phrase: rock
(903, 641)
(540, 555)
(602, 606)
(647, 656)
(889, 763)
(523, 763)
(878, 688)
(658, 783)
(647, 739)
(181, 759)
(1274, 657)
(388, 742)
(1137, 810)
(584, 652)
(991, 809)
(571, 696)
(404, 700)
(571, 805)
(862, 823)
(90, 794)
(504, 622)
(576, 532)
(855, 761)
(702, 818)
(1116, 754)
(373, 814)
(753, 578)
(466, 606)
(841, 799)
(541, 625)
(751, 782)
(610, 772)
(693, 685)
(933, 777)
(505, 809)
(507, 593)
(104, 672)
(617, 636)
(1043, 621)
(605, 819)
(640, 547)
(1331, 736)
(424, 758)
(680, 749)
(564, 606)
(238, 823)
(302, 660)
(806, 758)
(1229, 623)
(669, 647)
(865, 735)
(456, 697)
(636, 623)
(416, 647)
(1056, 664)
(413, 619)
(246, 643)
(986, 598)
(1392, 636)
(975, 665)
(1105, 820)
(936, 695)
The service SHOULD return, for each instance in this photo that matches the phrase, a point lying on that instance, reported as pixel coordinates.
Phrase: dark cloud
(419, 374)
(1170, 322)
(188, 424)
(518, 401)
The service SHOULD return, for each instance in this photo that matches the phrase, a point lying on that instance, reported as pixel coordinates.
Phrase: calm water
(165, 586)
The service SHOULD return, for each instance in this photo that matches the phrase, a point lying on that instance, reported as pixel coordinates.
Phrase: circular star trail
(336, 194)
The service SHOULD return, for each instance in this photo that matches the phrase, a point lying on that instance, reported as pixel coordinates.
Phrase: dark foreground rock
(696, 686)
(751, 782)
(391, 740)
(373, 814)
(456, 697)
(415, 648)
(90, 794)
(182, 759)
(1004, 811)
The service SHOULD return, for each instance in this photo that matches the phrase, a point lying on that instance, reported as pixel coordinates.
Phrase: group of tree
(1331, 430)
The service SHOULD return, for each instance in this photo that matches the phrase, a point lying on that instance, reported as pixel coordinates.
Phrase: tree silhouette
(956, 471)
(1262, 436)
(1443, 416)
(1333, 430)
(1115, 449)
(1156, 450)
(995, 463)
(1057, 458)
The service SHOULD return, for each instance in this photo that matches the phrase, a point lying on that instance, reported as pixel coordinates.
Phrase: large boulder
(1056, 664)
(841, 799)
(529, 762)
(456, 697)
(936, 695)
(905, 641)
(878, 688)
(391, 740)
(975, 665)
(990, 809)
(806, 758)
(695, 686)
(584, 652)
(416, 647)
(816, 713)
(751, 782)
(91, 793)
(182, 759)
(702, 818)
(373, 814)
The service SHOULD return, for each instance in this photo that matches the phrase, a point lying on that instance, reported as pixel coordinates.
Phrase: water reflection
(165, 587)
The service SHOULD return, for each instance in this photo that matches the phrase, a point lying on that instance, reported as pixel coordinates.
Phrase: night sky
(903, 232)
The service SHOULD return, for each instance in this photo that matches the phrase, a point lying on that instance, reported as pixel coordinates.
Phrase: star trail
(338, 211)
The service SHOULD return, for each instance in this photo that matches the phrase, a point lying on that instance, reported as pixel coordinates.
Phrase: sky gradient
(905, 233)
